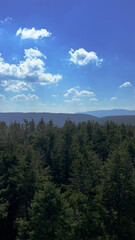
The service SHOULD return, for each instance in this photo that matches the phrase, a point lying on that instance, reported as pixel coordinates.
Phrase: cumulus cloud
(31, 70)
(113, 98)
(5, 20)
(81, 57)
(33, 53)
(72, 100)
(32, 33)
(47, 78)
(2, 97)
(126, 84)
(23, 97)
(93, 99)
(72, 92)
(17, 86)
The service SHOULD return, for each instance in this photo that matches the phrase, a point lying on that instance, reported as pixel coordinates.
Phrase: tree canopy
(73, 182)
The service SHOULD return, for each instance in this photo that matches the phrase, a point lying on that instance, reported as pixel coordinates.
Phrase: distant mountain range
(60, 118)
(113, 112)
(57, 118)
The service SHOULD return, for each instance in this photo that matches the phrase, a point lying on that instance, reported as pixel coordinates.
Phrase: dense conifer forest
(75, 182)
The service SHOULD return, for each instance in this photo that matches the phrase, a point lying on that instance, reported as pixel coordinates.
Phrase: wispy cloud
(72, 92)
(23, 97)
(55, 95)
(113, 98)
(81, 57)
(31, 70)
(5, 20)
(93, 99)
(32, 33)
(72, 100)
(2, 97)
(126, 84)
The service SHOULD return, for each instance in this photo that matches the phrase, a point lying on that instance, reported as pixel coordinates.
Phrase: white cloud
(2, 97)
(113, 98)
(33, 53)
(72, 100)
(75, 93)
(32, 97)
(47, 78)
(81, 57)
(23, 97)
(16, 86)
(126, 84)
(55, 95)
(31, 70)
(93, 99)
(5, 20)
(32, 33)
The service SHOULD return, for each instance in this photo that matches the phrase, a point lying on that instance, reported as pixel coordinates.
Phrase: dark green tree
(50, 216)
(9, 201)
(118, 196)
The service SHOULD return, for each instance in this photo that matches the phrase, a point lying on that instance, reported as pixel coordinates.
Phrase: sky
(67, 55)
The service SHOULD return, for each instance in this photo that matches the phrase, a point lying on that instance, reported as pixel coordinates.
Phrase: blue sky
(67, 55)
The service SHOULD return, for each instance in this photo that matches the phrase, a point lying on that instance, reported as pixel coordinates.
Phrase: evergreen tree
(50, 216)
(118, 196)
(9, 201)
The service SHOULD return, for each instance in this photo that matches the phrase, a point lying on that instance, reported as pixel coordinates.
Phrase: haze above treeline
(118, 116)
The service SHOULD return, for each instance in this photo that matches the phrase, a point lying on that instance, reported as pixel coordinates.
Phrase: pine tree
(9, 202)
(50, 216)
(118, 196)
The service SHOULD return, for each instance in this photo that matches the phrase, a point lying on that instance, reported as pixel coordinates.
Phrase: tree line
(73, 182)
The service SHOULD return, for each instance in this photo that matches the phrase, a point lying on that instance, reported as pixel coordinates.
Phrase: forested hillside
(75, 182)
(60, 118)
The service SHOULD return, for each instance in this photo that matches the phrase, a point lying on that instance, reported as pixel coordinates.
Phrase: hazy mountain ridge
(122, 119)
(60, 118)
(112, 112)
(57, 118)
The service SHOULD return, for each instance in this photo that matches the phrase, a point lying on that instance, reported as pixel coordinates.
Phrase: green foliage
(9, 202)
(118, 195)
(81, 179)
(88, 223)
(74, 182)
(50, 216)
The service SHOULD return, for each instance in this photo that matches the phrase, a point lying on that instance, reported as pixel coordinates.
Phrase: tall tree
(9, 202)
(50, 216)
(118, 196)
